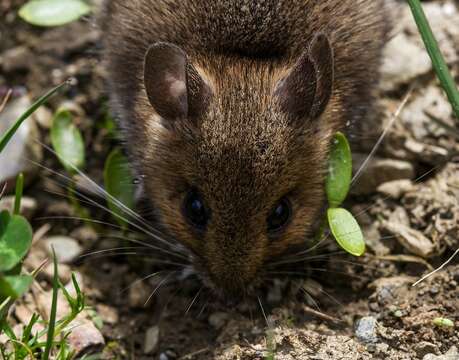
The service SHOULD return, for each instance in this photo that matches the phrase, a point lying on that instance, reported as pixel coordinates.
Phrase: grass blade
(12, 130)
(19, 191)
(438, 62)
(52, 316)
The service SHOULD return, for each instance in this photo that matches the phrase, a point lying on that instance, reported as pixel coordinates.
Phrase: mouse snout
(233, 264)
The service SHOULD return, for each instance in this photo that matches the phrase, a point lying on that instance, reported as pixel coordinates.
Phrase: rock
(396, 188)
(65, 273)
(218, 320)
(28, 205)
(108, 314)
(451, 354)
(151, 340)
(404, 60)
(424, 347)
(412, 240)
(373, 240)
(22, 150)
(139, 293)
(379, 171)
(67, 249)
(44, 117)
(366, 330)
(14, 59)
(85, 338)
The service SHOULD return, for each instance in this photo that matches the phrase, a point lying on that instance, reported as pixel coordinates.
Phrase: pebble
(44, 117)
(366, 330)
(64, 273)
(67, 249)
(379, 171)
(218, 320)
(412, 240)
(85, 338)
(17, 58)
(139, 293)
(151, 340)
(22, 150)
(404, 60)
(396, 188)
(451, 354)
(108, 314)
(28, 205)
(423, 348)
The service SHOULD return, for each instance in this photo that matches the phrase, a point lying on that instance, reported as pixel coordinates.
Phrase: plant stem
(438, 62)
(18, 197)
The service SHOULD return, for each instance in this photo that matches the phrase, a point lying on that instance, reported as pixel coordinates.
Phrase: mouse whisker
(194, 300)
(149, 276)
(162, 282)
(311, 299)
(263, 312)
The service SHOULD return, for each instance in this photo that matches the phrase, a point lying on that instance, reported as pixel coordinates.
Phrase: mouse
(227, 109)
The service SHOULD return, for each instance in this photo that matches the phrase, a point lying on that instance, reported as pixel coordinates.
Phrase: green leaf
(14, 286)
(346, 231)
(67, 141)
(15, 240)
(53, 12)
(119, 184)
(339, 171)
(12, 130)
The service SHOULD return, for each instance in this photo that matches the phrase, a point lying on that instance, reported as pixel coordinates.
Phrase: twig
(321, 315)
(436, 270)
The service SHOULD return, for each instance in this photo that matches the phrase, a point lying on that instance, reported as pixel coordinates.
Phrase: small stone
(379, 171)
(28, 205)
(151, 340)
(412, 240)
(67, 249)
(404, 60)
(424, 347)
(451, 354)
(85, 338)
(366, 330)
(139, 293)
(395, 189)
(44, 117)
(163, 356)
(218, 320)
(15, 59)
(373, 240)
(64, 273)
(22, 152)
(108, 314)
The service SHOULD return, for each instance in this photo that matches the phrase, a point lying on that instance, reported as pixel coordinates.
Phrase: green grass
(438, 62)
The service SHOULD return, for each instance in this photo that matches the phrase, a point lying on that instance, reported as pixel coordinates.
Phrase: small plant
(53, 12)
(119, 184)
(15, 241)
(443, 322)
(343, 225)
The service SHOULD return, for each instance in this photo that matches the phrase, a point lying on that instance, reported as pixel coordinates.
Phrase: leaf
(339, 171)
(12, 130)
(119, 184)
(67, 141)
(53, 12)
(15, 240)
(14, 286)
(346, 231)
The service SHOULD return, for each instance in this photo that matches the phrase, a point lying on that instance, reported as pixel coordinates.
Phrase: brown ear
(174, 87)
(306, 90)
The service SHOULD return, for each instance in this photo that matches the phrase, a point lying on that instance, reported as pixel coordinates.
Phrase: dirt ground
(406, 200)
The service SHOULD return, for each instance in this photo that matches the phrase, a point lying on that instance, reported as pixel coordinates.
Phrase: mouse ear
(173, 85)
(306, 90)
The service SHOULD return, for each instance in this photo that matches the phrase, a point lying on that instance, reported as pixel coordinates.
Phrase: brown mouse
(228, 108)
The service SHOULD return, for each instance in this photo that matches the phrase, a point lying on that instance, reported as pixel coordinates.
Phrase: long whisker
(263, 312)
(139, 281)
(158, 286)
(384, 133)
(193, 301)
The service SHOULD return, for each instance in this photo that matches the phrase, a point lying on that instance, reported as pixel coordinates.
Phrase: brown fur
(242, 152)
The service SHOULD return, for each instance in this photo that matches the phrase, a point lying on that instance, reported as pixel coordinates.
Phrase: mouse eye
(280, 215)
(195, 211)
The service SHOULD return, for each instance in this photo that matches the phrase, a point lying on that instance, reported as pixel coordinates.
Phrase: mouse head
(234, 152)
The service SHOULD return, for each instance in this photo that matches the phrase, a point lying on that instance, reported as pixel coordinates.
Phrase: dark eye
(195, 211)
(280, 215)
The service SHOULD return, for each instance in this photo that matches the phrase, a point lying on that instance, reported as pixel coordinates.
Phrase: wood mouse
(228, 108)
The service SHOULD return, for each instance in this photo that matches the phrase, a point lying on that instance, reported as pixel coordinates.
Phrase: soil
(346, 308)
